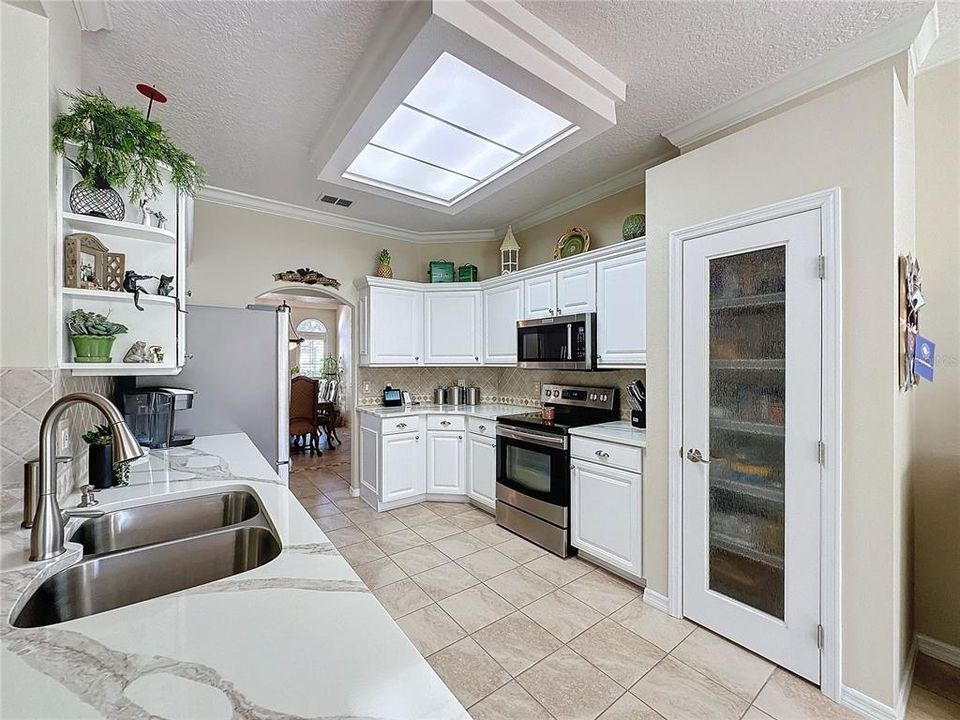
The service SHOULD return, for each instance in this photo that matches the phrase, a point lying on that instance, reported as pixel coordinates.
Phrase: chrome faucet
(46, 535)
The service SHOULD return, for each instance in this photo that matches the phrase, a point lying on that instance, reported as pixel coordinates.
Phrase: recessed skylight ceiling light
(456, 131)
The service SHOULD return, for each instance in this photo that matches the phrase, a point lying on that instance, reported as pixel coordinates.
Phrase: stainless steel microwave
(564, 342)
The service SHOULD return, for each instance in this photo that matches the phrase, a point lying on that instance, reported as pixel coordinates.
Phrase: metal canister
(472, 395)
(454, 395)
(439, 396)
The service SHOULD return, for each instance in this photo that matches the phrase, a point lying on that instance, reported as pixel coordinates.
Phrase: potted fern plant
(118, 146)
(92, 335)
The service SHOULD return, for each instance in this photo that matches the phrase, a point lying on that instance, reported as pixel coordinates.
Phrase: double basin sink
(147, 551)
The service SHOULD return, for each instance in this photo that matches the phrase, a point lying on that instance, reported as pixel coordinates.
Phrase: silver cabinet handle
(445, 423)
(459, 437)
(558, 311)
(550, 310)
(694, 455)
(417, 358)
(416, 437)
(602, 454)
(477, 358)
(483, 428)
(401, 426)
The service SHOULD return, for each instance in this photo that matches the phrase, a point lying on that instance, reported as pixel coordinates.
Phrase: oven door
(562, 343)
(535, 464)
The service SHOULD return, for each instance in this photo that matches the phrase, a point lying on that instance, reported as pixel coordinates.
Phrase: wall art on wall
(911, 300)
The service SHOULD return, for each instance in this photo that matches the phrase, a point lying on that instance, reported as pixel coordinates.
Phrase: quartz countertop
(487, 411)
(299, 637)
(620, 431)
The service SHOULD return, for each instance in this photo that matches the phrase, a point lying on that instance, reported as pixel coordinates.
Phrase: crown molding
(603, 189)
(93, 15)
(833, 65)
(232, 198)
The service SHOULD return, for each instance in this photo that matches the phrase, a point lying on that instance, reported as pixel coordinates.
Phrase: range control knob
(593, 396)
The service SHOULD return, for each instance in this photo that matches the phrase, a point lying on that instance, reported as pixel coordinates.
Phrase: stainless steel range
(533, 462)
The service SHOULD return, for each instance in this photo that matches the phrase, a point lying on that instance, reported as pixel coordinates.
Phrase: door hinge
(820, 637)
(680, 452)
(821, 267)
(821, 452)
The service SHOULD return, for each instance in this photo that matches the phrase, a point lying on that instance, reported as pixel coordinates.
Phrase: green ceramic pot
(634, 226)
(93, 348)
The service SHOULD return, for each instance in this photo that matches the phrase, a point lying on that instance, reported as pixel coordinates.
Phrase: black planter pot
(101, 466)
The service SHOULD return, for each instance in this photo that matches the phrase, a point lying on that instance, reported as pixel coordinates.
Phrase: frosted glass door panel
(747, 396)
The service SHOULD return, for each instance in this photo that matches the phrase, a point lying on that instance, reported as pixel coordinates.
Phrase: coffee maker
(149, 413)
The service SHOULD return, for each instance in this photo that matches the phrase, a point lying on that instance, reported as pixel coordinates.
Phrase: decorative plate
(573, 242)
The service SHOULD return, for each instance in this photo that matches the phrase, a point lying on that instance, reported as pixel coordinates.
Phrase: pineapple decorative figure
(383, 264)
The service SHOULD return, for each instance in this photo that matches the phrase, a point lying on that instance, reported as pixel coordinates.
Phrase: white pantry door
(751, 432)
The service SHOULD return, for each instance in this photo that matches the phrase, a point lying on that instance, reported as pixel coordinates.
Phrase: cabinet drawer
(482, 426)
(407, 423)
(446, 422)
(606, 453)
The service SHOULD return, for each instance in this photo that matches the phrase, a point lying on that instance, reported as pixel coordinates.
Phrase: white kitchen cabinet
(453, 327)
(402, 467)
(482, 470)
(577, 290)
(605, 508)
(502, 307)
(395, 327)
(363, 327)
(567, 292)
(540, 296)
(621, 311)
(446, 462)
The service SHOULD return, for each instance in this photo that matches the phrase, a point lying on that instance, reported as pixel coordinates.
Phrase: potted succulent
(383, 264)
(118, 146)
(92, 335)
(100, 456)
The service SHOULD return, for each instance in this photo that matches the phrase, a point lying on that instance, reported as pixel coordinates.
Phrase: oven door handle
(531, 436)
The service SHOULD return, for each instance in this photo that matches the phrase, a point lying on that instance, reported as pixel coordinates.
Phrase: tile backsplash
(25, 395)
(497, 384)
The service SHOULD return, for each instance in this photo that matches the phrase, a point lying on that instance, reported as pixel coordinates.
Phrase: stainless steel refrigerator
(238, 363)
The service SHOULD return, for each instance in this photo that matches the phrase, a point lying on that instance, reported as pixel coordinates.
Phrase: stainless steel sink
(163, 521)
(100, 583)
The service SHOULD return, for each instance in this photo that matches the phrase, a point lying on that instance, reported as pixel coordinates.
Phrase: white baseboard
(655, 599)
(355, 492)
(866, 705)
(876, 710)
(939, 650)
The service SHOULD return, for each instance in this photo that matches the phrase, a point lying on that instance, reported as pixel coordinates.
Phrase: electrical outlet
(366, 387)
(64, 440)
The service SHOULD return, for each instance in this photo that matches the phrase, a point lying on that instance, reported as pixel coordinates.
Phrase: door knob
(694, 455)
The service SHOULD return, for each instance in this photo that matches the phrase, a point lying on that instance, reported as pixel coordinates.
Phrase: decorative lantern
(509, 253)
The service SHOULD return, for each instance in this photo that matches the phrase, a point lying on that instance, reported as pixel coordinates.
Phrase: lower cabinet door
(402, 467)
(482, 470)
(605, 507)
(446, 462)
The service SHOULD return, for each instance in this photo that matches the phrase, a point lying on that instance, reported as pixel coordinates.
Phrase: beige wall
(936, 423)
(26, 255)
(603, 219)
(843, 138)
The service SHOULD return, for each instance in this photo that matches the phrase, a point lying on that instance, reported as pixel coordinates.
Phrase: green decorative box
(440, 271)
(467, 273)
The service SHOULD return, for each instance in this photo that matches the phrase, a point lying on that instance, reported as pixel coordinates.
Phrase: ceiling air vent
(342, 202)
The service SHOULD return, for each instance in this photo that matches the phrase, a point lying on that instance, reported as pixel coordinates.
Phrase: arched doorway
(328, 331)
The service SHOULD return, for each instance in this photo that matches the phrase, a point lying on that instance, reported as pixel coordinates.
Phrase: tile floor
(517, 633)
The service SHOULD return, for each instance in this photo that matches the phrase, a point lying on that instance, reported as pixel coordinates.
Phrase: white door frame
(828, 202)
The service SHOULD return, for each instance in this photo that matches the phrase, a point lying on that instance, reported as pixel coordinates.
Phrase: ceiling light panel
(388, 169)
(415, 134)
(458, 93)
(455, 131)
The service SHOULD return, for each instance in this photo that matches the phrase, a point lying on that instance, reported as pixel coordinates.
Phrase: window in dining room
(313, 349)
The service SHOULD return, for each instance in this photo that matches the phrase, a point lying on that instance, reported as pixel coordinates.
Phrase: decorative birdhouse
(509, 253)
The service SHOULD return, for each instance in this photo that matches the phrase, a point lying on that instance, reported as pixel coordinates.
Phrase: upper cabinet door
(452, 328)
(502, 307)
(540, 296)
(577, 290)
(396, 326)
(363, 322)
(622, 311)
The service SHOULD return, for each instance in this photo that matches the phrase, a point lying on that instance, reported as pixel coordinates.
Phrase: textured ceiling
(250, 83)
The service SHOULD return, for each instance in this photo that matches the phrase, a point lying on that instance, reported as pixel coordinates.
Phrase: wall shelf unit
(147, 250)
